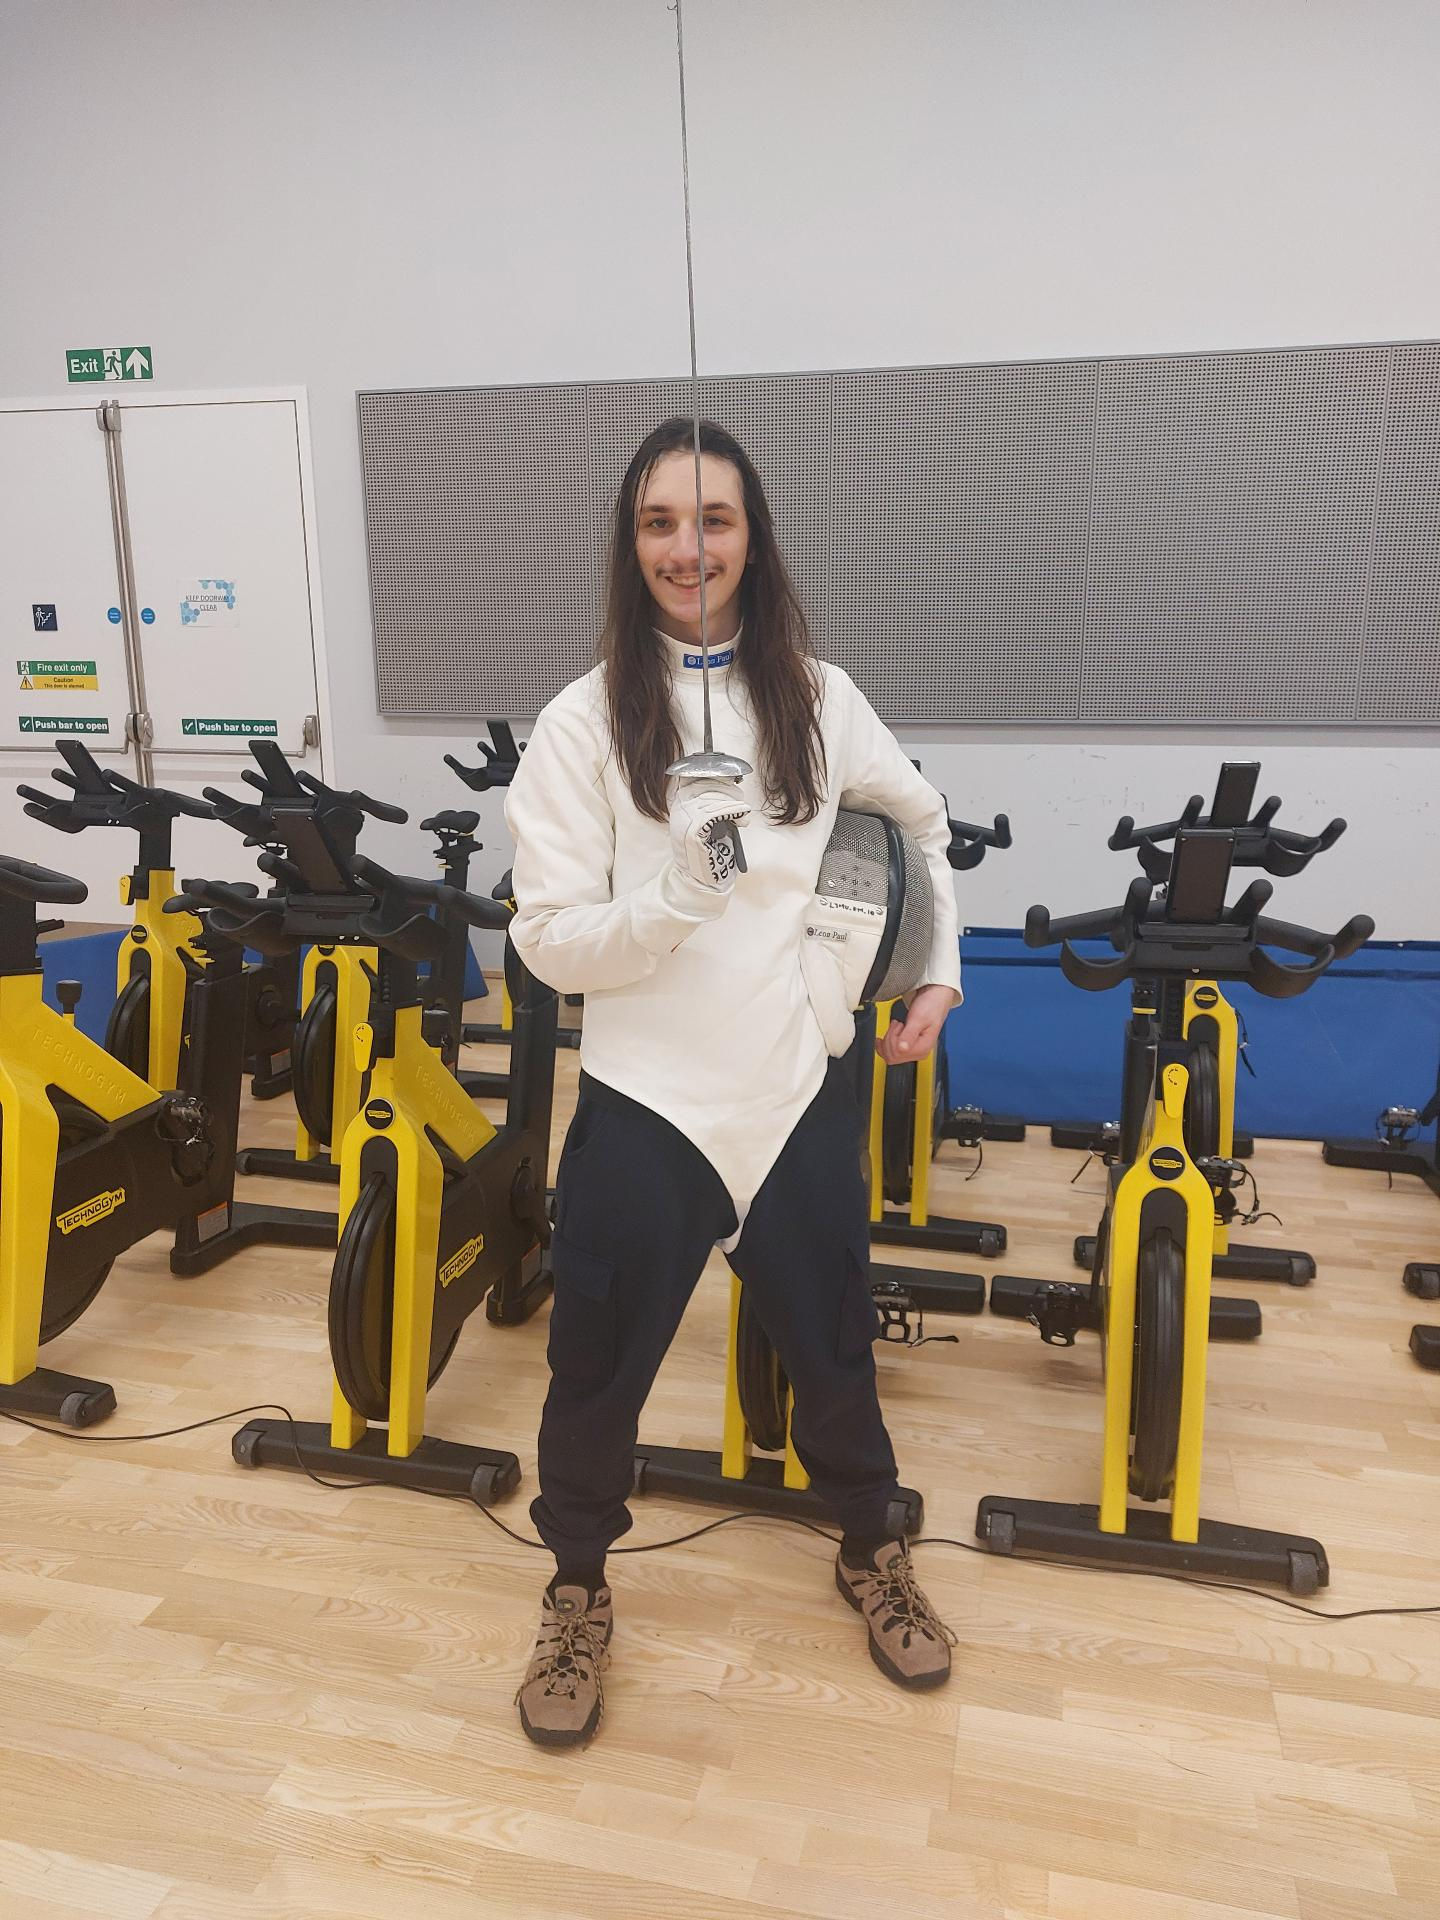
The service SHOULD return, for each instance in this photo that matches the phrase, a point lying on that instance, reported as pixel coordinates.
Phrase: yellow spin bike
(1210, 1023)
(159, 953)
(1149, 1295)
(441, 1211)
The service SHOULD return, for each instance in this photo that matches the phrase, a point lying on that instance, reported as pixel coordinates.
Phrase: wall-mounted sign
(57, 676)
(229, 729)
(60, 723)
(109, 363)
(207, 603)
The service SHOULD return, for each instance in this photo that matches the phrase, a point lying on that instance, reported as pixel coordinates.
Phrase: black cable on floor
(725, 1520)
(1181, 1579)
(213, 1420)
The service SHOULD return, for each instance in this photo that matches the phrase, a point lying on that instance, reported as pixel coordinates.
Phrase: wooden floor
(233, 1696)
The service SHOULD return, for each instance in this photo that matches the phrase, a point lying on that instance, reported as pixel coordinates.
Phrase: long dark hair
(776, 659)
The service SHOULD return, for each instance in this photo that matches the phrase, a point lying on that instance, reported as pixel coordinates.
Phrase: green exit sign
(109, 363)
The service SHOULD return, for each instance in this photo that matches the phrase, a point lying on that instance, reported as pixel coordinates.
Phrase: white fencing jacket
(694, 1005)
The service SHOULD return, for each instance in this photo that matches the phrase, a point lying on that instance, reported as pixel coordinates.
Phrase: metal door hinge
(140, 729)
(310, 731)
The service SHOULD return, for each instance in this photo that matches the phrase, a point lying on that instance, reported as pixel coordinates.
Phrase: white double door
(160, 601)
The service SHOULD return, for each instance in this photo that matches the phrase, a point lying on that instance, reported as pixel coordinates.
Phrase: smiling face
(667, 545)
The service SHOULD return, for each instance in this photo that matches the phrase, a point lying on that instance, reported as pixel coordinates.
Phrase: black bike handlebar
(276, 781)
(237, 910)
(398, 891)
(1351, 937)
(236, 895)
(1106, 923)
(498, 764)
(39, 886)
(363, 802)
(1127, 835)
(104, 797)
(968, 843)
(185, 803)
(1231, 948)
(282, 870)
(1258, 842)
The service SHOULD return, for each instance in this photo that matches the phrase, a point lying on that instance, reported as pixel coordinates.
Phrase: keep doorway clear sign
(208, 603)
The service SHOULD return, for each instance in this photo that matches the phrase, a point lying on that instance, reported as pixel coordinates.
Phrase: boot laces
(907, 1606)
(573, 1640)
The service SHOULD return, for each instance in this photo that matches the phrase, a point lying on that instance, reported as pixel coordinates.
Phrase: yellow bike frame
(923, 1145)
(352, 1011)
(1204, 1001)
(162, 938)
(1164, 1130)
(416, 1095)
(737, 1444)
(42, 1049)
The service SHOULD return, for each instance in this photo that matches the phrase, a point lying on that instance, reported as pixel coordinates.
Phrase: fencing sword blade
(708, 764)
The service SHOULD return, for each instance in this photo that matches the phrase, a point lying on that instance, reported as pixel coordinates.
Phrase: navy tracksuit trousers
(638, 1211)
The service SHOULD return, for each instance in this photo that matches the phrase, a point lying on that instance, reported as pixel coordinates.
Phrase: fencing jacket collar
(685, 660)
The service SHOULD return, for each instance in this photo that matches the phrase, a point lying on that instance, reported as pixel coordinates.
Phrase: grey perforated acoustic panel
(1231, 539)
(1400, 660)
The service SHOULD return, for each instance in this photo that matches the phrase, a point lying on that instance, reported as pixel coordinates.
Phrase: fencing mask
(868, 930)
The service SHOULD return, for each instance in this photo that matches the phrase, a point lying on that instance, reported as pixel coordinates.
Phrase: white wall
(350, 193)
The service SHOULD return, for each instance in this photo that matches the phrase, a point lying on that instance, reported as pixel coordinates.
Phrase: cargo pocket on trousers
(582, 1316)
(859, 1322)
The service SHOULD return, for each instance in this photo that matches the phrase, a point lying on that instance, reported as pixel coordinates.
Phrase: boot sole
(561, 1736)
(916, 1682)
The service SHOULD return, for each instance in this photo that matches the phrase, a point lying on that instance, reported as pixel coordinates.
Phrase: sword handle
(729, 831)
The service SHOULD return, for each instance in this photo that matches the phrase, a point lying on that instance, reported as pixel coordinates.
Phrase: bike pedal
(1060, 1311)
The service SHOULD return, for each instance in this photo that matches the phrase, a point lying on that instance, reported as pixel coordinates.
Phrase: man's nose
(685, 547)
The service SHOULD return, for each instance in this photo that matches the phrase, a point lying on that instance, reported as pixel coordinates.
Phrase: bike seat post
(19, 936)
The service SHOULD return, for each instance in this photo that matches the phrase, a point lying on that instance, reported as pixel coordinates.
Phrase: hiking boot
(561, 1698)
(908, 1641)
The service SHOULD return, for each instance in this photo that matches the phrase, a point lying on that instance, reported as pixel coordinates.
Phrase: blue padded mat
(1365, 1036)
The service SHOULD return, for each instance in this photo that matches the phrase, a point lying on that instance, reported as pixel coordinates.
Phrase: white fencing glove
(697, 810)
